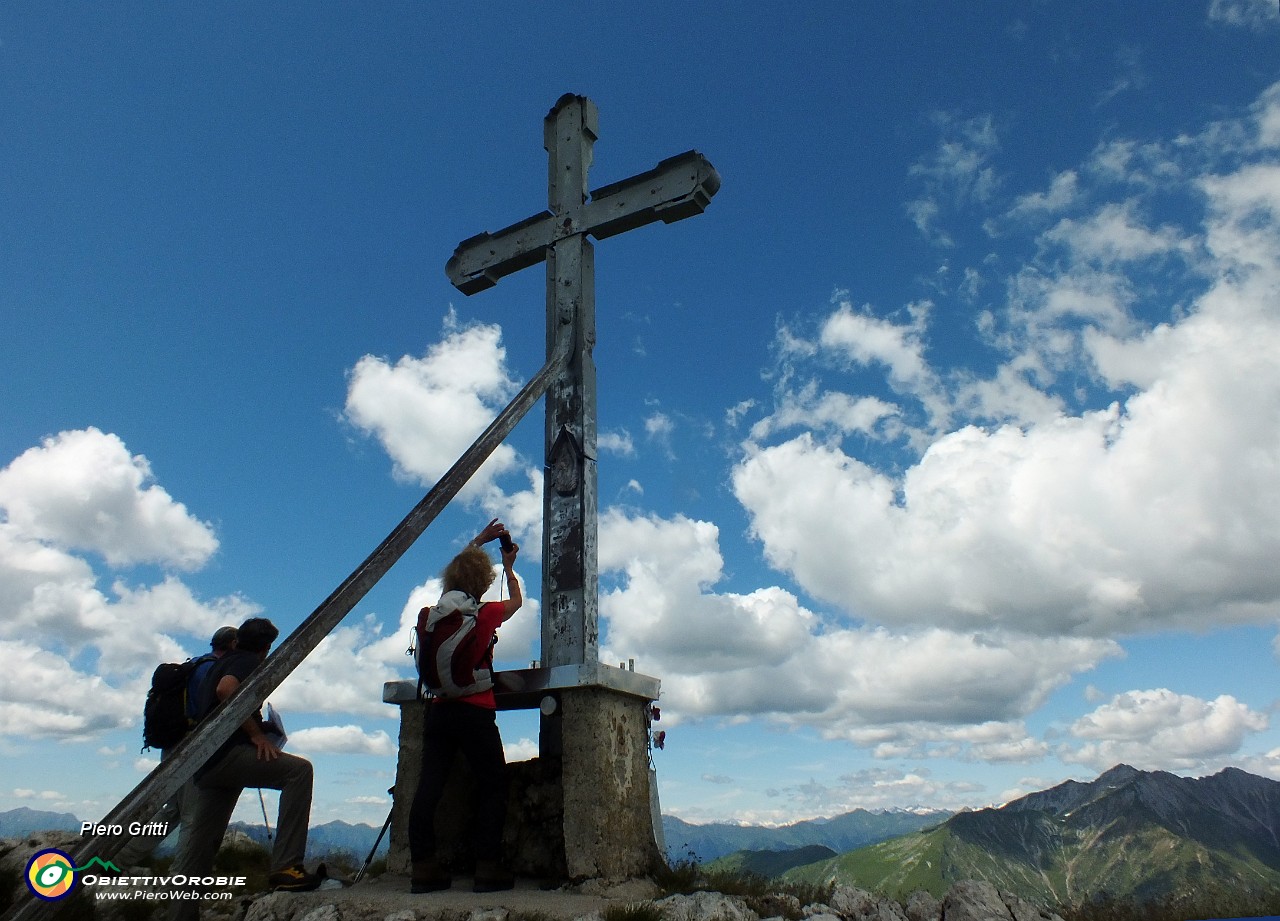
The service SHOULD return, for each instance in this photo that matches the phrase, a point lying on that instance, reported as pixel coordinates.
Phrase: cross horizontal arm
(678, 187)
(480, 261)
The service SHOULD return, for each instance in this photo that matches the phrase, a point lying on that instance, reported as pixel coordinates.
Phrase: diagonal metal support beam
(165, 780)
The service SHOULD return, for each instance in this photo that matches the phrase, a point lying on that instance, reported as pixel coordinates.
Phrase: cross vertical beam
(570, 579)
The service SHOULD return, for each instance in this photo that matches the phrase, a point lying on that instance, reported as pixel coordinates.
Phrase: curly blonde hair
(471, 571)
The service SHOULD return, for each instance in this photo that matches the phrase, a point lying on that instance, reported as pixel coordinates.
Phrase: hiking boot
(491, 877)
(293, 879)
(428, 876)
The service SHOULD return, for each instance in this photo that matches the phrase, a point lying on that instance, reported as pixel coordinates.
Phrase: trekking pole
(385, 825)
(265, 821)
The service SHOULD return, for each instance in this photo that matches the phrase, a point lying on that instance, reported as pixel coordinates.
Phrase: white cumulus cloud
(83, 490)
(1161, 730)
(426, 411)
(343, 740)
(78, 511)
(1155, 511)
(763, 653)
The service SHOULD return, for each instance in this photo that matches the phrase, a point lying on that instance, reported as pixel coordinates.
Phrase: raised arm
(515, 597)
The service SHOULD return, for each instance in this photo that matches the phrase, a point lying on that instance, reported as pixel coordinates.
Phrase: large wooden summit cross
(676, 188)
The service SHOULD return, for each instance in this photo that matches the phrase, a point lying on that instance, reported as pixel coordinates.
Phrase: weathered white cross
(676, 188)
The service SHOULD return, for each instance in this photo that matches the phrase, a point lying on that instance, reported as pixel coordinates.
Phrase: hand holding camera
(496, 530)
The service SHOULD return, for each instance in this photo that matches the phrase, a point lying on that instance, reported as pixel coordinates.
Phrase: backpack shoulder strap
(206, 693)
(200, 668)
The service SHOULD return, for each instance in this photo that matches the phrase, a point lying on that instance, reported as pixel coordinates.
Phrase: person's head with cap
(224, 640)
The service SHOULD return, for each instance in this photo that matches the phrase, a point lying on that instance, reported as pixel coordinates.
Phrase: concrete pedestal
(586, 808)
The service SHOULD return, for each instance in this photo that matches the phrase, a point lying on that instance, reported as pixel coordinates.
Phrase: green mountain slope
(1128, 835)
(705, 843)
(771, 864)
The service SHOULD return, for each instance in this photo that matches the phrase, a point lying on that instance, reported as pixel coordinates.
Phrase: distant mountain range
(328, 839)
(20, 822)
(322, 840)
(1129, 834)
(705, 843)
(685, 841)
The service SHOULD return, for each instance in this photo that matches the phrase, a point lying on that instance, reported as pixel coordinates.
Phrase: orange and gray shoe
(294, 879)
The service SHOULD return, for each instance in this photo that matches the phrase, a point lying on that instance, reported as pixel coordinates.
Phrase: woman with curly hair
(461, 715)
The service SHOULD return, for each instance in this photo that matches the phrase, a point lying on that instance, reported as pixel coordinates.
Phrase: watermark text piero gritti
(158, 829)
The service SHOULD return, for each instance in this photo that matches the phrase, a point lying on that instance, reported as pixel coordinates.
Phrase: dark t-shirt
(239, 665)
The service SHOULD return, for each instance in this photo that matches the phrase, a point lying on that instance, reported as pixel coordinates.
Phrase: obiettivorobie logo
(52, 875)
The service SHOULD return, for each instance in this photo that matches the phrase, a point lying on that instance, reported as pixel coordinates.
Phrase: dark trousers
(448, 728)
(215, 795)
(209, 802)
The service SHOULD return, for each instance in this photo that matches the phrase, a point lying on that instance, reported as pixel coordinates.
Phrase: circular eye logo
(50, 874)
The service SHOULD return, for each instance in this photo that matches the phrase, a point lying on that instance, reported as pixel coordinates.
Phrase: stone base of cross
(588, 809)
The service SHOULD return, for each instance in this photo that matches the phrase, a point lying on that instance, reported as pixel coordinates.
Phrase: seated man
(247, 759)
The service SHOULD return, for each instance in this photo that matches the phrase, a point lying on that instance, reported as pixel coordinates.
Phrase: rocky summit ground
(388, 899)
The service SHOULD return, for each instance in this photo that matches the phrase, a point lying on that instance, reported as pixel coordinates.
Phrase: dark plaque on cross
(676, 188)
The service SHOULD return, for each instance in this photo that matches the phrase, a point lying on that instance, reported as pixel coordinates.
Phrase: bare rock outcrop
(979, 900)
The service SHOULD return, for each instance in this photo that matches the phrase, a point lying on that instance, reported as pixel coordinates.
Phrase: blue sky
(938, 457)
